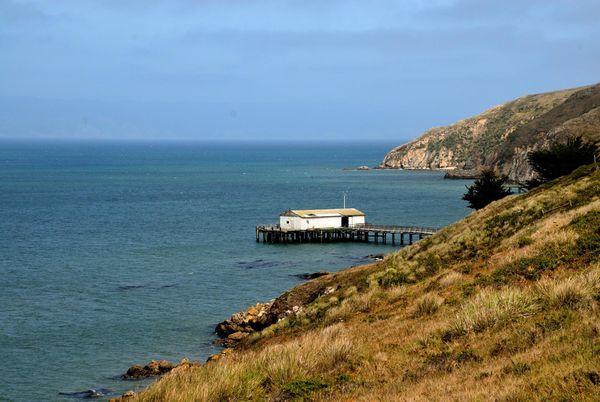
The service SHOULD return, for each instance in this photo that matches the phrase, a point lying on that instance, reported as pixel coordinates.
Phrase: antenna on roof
(344, 194)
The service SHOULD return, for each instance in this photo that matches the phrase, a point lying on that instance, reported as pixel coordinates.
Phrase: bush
(560, 159)
(487, 188)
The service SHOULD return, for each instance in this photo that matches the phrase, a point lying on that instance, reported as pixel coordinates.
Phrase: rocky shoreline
(237, 328)
(235, 331)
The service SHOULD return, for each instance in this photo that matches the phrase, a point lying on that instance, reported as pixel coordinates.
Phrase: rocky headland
(502, 136)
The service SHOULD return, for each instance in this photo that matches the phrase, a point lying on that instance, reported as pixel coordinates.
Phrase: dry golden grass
(253, 375)
(433, 330)
(451, 278)
(572, 291)
(358, 303)
(426, 305)
(490, 309)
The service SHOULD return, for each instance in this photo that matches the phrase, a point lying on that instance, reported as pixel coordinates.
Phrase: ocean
(118, 253)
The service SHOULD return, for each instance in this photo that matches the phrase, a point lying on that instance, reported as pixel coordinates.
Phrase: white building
(320, 218)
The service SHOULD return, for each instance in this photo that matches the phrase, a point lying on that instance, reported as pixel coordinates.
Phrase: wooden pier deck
(365, 233)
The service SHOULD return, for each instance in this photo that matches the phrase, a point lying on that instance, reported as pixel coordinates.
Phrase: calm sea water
(114, 254)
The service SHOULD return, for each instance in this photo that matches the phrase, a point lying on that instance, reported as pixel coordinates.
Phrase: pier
(362, 233)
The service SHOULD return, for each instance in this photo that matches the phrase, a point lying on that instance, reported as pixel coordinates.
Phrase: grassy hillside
(503, 305)
(501, 136)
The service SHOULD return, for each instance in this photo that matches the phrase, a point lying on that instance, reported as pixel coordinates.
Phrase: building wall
(354, 220)
(322, 222)
(297, 223)
(290, 222)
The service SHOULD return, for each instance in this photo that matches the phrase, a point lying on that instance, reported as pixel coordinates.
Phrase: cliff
(502, 136)
(502, 305)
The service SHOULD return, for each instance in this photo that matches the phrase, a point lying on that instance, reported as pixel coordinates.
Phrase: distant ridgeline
(502, 136)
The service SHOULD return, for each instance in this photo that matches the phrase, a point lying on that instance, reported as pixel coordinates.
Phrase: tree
(560, 159)
(487, 188)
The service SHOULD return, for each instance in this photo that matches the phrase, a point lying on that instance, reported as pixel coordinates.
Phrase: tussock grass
(570, 292)
(253, 375)
(427, 305)
(520, 285)
(451, 278)
(492, 309)
(395, 293)
(357, 303)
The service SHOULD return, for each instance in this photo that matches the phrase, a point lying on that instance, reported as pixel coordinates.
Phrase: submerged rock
(313, 275)
(88, 394)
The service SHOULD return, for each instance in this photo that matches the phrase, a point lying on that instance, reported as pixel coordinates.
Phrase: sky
(342, 70)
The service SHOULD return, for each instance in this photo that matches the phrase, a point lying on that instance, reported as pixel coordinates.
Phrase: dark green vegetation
(487, 188)
(502, 136)
(560, 159)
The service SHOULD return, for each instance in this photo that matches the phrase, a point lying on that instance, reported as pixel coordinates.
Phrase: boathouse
(307, 219)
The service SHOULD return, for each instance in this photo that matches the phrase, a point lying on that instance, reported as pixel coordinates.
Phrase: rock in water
(253, 319)
(153, 368)
(308, 276)
(135, 371)
(88, 394)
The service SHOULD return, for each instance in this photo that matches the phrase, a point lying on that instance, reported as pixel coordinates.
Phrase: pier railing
(273, 233)
(395, 228)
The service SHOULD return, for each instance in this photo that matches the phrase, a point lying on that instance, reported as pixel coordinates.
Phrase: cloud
(382, 53)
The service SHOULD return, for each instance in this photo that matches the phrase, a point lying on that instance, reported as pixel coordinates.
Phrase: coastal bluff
(505, 302)
(501, 137)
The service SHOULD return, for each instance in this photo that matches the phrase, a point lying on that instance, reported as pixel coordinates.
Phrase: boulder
(253, 319)
(153, 368)
(237, 336)
(219, 356)
(135, 371)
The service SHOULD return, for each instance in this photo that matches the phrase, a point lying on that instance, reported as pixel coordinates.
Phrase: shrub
(487, 188)
(560, 159)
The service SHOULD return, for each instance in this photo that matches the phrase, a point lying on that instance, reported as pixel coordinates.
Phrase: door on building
(344, 221)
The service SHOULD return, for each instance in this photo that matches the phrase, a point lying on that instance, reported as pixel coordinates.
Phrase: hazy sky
(280, 69)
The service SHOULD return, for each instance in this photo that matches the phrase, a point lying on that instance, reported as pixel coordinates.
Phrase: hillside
(503, 305)
(502, 136)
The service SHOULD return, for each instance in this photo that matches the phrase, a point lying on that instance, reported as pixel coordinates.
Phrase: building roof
(320, 213)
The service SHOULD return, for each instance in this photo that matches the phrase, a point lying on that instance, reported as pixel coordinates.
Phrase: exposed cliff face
(502, 136)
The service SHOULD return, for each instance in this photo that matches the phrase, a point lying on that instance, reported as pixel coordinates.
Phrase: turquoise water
(114, 254)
